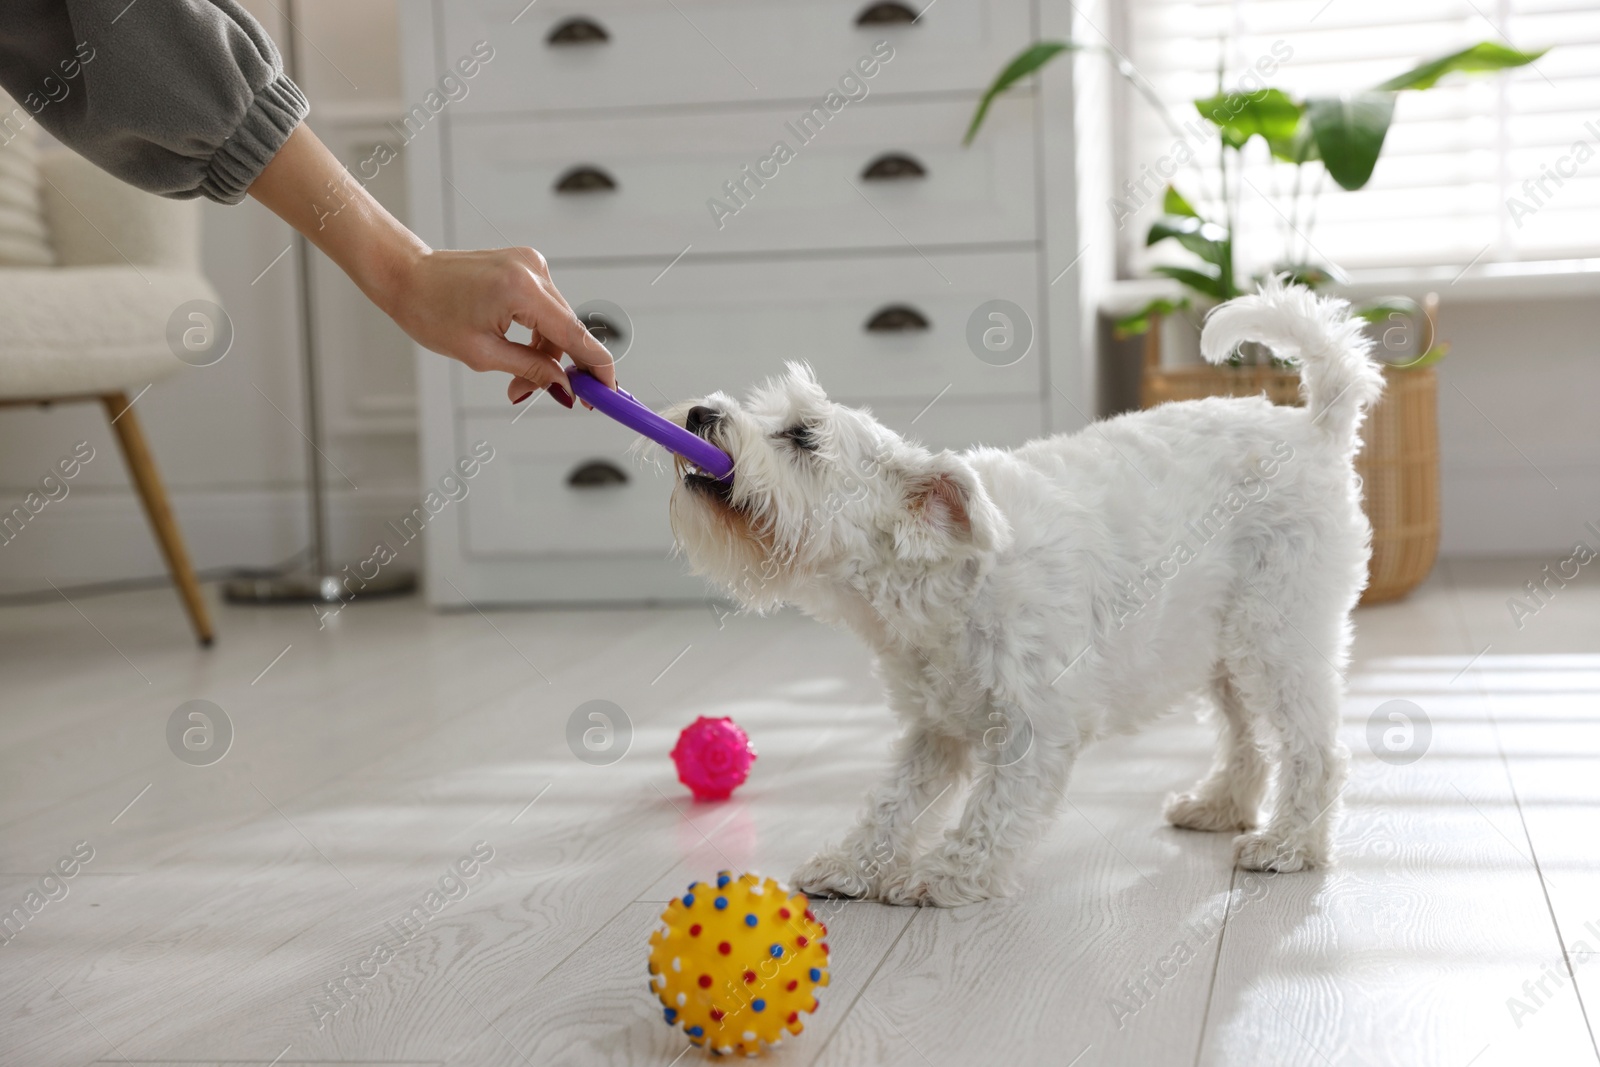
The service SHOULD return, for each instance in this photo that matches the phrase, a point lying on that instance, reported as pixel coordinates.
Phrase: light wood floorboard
(377, 751)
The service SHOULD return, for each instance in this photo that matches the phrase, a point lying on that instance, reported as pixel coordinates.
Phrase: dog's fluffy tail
(1338, 377)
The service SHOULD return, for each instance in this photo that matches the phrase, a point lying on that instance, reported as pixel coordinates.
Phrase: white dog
(1024, 603)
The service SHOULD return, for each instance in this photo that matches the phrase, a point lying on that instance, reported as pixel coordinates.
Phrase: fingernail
(523, 397)
(563, 397)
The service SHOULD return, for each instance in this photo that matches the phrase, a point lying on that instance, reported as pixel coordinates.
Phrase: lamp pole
(318, 581)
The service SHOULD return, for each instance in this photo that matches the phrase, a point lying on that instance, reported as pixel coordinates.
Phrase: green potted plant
(1344, 134)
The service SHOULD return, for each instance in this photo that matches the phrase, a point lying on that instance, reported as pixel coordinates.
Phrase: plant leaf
(1138, 322)
(1310, 275)
(1205, 239)
(1349, 130)
(1428, 358)
(1483, 56)
(1173, 203)
(1269, 113)
(1026, 62)
(1299, 147)
(1207, 281)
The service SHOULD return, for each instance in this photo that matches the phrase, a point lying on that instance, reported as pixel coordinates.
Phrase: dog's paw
(1198, 811)
(937, 885)
(1264, 851)
(833, 873)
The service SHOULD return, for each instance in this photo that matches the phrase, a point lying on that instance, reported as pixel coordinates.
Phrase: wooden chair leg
(154, 495)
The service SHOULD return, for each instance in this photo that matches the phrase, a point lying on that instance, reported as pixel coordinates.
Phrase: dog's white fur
(1024, 603)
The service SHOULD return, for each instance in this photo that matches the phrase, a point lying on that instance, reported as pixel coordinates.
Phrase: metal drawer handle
(897, 318)
(893, 166)
(596, 474)
(885, 13)
(577, 31)
(585, 178)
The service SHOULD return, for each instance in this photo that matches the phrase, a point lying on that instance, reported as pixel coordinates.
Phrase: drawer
(525, 503)
(663, 172)
(724, 326)
(558, 54)
(563, 486)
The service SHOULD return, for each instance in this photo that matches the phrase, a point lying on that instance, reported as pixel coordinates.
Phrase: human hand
(460, 304)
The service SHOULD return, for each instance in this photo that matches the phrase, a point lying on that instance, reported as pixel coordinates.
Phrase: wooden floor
(1459, 928)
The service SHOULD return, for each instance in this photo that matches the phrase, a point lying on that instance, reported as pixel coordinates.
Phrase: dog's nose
(700, 417)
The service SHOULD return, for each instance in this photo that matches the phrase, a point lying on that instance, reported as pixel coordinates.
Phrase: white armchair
(94, 327)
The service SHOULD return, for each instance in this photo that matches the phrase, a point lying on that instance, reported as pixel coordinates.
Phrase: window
(1481, 168)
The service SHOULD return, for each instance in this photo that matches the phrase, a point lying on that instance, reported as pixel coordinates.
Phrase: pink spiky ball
(713, 757)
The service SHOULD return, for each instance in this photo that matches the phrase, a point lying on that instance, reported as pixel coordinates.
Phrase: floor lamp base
(307, 587)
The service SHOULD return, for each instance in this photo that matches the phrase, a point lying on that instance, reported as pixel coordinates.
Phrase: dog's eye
(800, 436)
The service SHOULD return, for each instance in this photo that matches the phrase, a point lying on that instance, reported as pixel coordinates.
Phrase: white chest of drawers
(636, 144)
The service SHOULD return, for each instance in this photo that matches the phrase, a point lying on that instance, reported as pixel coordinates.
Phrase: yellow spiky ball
(737, 961)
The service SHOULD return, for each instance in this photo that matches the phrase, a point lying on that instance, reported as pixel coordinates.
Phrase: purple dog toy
(621, 405)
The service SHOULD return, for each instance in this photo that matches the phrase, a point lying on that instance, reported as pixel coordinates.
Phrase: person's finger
(593, 355)
(534, 259)
(533, 367)
(555, 353)
(543, 309)
(519, 388)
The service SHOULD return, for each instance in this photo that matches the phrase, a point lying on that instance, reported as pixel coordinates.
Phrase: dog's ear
(946, 511)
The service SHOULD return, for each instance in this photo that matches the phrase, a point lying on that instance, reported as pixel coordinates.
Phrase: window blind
(1482, 168)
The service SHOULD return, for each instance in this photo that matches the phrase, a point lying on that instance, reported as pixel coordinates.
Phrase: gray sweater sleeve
(183, 98)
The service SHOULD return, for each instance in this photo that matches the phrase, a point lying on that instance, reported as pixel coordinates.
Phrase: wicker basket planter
(1398, 462)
